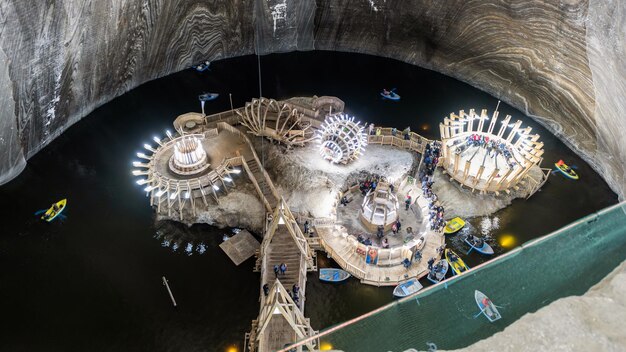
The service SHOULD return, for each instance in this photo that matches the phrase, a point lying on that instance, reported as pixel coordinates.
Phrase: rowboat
(453, 225)
(438, 272)
(207, 96)
(333, 275)
(479, 245)
(202, 66)
(407, 288)
(566, 170)
(391, 95)
(457, 264)
(54, 210)
(486, 306)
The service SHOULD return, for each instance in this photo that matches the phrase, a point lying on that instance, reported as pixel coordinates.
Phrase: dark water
(93, 281)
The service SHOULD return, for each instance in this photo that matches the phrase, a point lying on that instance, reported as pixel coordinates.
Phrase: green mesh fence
(567, 262)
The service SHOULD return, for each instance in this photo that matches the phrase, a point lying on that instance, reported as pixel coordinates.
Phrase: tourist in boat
(386, 92)
(225, 238)
(283, 268)
(266, 289)
(431, 261)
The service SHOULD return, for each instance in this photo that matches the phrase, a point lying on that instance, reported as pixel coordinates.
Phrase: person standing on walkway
(283, 268)
(266, 290)
(306, 227)
(276, 269)
(295, 289)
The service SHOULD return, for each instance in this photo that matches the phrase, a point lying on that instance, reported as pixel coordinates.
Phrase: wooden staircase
(263, 182)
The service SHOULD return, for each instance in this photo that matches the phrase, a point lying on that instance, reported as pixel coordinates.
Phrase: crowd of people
(492, 145)
(436, 211)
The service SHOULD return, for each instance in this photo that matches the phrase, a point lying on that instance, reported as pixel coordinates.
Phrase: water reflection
(180, 239)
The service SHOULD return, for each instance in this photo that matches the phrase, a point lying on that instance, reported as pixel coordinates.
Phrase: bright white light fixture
(228, 179)
(144, 156)
(215, 187)
(149, 147)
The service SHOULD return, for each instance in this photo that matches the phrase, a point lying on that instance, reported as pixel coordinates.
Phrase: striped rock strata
(561, 62)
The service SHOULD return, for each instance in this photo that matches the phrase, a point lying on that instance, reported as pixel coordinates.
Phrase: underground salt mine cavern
(347, 175)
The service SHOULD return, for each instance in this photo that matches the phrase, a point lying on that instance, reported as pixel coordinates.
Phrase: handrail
(232, 129)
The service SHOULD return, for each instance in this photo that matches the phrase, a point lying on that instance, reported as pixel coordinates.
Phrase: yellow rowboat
(456, 263)
(566, 170)
(454, 225)
(54, 210)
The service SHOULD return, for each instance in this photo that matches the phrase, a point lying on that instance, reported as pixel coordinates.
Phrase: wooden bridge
(281, 320)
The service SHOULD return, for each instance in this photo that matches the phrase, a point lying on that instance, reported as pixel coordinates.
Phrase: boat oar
(479, 313)
(39, 212)
(62, 217)
(471, 247)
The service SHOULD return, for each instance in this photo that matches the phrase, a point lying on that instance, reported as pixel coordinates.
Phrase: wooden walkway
(281, 320)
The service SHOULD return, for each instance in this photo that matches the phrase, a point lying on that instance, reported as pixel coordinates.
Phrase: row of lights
(141, 182)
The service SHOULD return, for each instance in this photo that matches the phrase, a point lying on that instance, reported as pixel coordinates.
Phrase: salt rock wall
(67, 57)
(560, 61)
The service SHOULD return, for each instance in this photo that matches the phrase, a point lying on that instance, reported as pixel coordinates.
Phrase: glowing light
(142, 182)
(235, 171)
(173, 195)
(507, 241)
(144, 156)
(149, 188)
(139, 172)
(341, 139)
(187, 195)
(215, 187)
(156, 139)
(425, 127)
(169, 134)
(325, 346)
(232, 349)
(160, 192)
(228, 179)
(149, 147)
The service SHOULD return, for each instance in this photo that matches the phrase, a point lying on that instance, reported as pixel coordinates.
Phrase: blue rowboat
(438, 272)
(333, 275)
(483, 247)
(207, 96)
(407, 288)
(391, 96)
(202, 67)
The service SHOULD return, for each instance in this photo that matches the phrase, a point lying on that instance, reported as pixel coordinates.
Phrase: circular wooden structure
(342, 139)
(485, 155)
(379, 207)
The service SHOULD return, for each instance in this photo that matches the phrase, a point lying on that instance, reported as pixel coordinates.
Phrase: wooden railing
(268, 180)
(415, 142)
